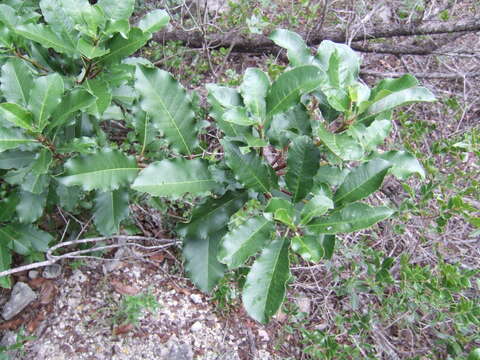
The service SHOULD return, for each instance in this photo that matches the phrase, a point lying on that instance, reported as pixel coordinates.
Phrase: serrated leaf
(297, 50)
(121, 48)
(362, 181)
(154, 21)
(202, 236)
(11, 138)
(285, 92)
(111, 208)
(254, 90)
(353, 217)
(245, 241)
(16, 81)
(105, 170)
(314, 247)
(75, 100)
(342, 145)
(46, 94)
(101, 90)
(402, 97)
(169, 106)
(117, 9)
(403, 164)
(17, 115)
(302, 164)
(45, 36)
(30, 207)
(264, 288)
(175, 177)
(318, 205)
(249, 168)
(23, 239)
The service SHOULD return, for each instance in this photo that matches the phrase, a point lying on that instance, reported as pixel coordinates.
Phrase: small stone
(263, 335)
(197, 326)
(196, 298)
(21, 296)
(304, 304)
(52, 271)
(78, 277)
(33, 274)
(180, 352)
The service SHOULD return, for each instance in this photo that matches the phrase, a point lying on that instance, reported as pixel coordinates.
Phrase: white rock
(21, 296)
(197, 326)
(52, 271)
(33, 274)
(78, 277)
(196, 298)
(263, 335)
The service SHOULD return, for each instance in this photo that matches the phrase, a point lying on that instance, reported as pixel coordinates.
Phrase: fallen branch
(52, 259)
(262, 44)
(434, 75)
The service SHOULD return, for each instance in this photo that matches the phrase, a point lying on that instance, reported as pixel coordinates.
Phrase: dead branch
(435, 75)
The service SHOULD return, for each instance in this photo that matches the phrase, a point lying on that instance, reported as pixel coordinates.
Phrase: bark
(262, 44)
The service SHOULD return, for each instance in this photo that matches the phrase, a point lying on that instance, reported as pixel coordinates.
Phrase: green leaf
(318, 205)
(286, 126)
(46, 94)
(36, 181)
(340, 61)
(372, 136)
(238, 115)
(68, 196)
(175, 177)
(402, 97)
(31, 206)
(254, 89)
(11, 138)
(5, 264)
(302, 164)
(404, 164)
(154, 21)
(249, 168)
(121, 47)
(75, 100)
(8, 206)
(62, 15)
(387, 86)
(45, 36)
(16, 81)
(105, 170)
(15, 159)
(362, 181)
(285, 92)
(245, 241)
(101, 90)
(297, 51)
(117, 9)
(342, 145)
(264, 288)
(16, 115)
(23, 239)
(111, 208)
(353, 217)
(202, 236)
(89, 50)
(331, 175)
(314, 247)
(169, 106)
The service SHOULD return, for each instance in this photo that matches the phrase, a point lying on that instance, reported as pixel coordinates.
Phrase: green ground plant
(307, 146)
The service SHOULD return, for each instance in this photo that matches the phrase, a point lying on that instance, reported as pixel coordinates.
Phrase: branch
(434, 75)
(52, 259)
(262, 44)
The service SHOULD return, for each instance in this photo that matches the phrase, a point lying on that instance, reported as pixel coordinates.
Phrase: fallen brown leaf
(122, 329)
(124, 289)
(37, 283)
(47, 292)
(11, 324)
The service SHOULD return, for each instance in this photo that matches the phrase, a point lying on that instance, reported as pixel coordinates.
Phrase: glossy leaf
(245, 241)
(403, 164)
(249, 168)
(24, 239)
(362, 181)
(46, 95)
(254, 90)
(285, 92)
(318, 205)
(372, 136)
(89, 50)
(11, 138)
(75, 100)
(48, 38)
(314, 247)
(388, 86)
(105, 170)
(297, 51)
(121, 47)
(353, 217)
(117, 9)
(101, 90)
(264, 288)
(402, 97)
(342, 145)
(238, 115)
(15, 159)
(16, 81)
(5, 264)
(16, 115)
(111, 208)
(331, 175)
(340, 61)
(202, 236)
(169, 106)
(175, 177)
(154, 21)
(302, 165)
(30, 207)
